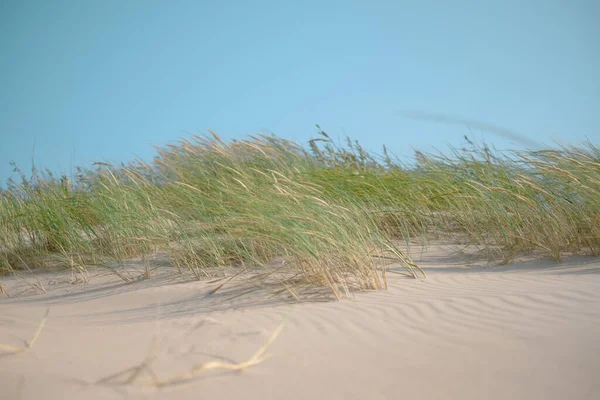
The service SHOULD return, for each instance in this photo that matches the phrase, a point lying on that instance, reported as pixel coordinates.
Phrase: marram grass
(323, 217)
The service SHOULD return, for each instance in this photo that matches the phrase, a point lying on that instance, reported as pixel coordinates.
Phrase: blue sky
(101, 80)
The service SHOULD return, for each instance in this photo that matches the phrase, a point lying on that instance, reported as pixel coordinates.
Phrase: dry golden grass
(134, 375)
(10, 349)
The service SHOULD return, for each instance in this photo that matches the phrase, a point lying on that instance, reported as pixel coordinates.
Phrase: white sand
(530, 330)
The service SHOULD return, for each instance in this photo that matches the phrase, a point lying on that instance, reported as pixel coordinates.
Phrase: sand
(529, 330)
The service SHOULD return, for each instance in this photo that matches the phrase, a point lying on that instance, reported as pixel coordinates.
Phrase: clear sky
(101, 80)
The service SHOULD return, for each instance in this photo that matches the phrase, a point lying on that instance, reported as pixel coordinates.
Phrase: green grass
(322, 216)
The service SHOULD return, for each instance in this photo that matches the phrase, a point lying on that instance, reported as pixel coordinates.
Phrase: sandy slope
(529, 330)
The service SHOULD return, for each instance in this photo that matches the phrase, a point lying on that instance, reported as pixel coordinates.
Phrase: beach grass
(322, 216)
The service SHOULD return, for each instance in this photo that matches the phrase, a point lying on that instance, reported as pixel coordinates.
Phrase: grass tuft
(326, 216)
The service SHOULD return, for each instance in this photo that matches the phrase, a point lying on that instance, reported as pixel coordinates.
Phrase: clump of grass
(209, 204)
(539, 200)
(506, 202)
(250, 201)
(324, 216)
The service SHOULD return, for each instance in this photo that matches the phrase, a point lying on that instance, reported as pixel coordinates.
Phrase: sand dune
(527, 330)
